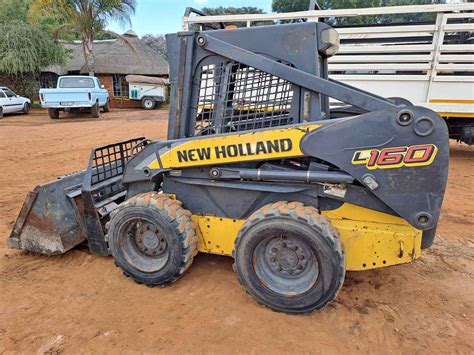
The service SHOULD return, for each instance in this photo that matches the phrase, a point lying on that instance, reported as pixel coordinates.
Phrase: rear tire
(1, 112)
(148, 103)
(95, 110)
(288, 258)
(152, 238)
(26, 108)
(53, 113)
(107, 106)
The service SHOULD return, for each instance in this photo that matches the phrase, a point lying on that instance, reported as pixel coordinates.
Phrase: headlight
(329, 43)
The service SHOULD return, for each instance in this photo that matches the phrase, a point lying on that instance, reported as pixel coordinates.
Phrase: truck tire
(148, 103)
(107, 106)
(95, 110)
(288, 257)
(53, 113)
(26, 108)
(152, 238)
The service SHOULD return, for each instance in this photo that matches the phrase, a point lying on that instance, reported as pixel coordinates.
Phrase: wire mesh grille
(235, 97)
(108, 163)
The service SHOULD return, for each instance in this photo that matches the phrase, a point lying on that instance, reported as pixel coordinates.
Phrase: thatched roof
(124, 55)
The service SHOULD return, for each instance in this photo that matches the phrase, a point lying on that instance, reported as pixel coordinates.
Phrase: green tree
(302, 5)
(88, 17)
(25, 50)
(290, 5)
(215, 11)
(14, 10)
(157, 43)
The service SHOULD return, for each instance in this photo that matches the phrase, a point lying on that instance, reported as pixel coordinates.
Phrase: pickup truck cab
(75, 92)
(11, 102)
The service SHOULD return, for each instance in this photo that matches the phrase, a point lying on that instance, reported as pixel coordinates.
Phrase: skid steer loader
(296, 192)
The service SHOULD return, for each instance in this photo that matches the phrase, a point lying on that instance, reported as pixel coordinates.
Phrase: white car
(11, 102)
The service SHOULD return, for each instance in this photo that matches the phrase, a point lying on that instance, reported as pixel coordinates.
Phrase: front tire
(148, 103)
(53, 113)
(289, 258)
(95, 110)
(26, 108)
(152, 238)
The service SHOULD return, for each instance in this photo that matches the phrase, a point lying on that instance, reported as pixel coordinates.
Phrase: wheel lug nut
(300, 267)
(280, 268)
(274, 250)
(295, 247)
(301, 257)
(283, 245)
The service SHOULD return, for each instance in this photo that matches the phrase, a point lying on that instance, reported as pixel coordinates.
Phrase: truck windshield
(76, 83)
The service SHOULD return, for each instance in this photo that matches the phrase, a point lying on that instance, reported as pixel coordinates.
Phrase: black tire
(289, 258)
(1, 112)
(152, 238)
(95, 110)
(107, 106)
(26, 108)
(53, 113)
(148, 103)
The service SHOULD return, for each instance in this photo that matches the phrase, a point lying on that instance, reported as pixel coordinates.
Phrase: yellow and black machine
(295, 191)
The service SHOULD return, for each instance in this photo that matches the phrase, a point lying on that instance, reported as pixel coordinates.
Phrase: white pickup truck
(75, 92)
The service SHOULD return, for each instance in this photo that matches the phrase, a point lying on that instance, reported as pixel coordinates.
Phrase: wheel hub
(149, 240)
(287, 256)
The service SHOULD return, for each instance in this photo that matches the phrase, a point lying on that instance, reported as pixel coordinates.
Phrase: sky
(164, 16)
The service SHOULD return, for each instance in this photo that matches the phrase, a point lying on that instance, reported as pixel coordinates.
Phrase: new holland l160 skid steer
(257, 166)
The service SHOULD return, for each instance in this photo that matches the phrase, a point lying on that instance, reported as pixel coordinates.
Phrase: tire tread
(178, 217)
(306, 214)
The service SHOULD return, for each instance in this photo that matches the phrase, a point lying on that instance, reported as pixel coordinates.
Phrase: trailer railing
(431, 64)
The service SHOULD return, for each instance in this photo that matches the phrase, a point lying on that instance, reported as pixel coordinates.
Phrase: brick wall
(107, 81)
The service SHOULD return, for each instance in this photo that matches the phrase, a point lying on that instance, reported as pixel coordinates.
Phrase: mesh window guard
(234, 97)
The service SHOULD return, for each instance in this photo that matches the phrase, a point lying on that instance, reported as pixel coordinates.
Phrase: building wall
(107, 81)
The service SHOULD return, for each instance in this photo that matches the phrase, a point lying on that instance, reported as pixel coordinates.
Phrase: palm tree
(88, 17)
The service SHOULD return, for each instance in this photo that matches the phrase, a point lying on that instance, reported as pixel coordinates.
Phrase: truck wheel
(288, 258)
(107, 106)
(53, 113)
(95, 110)
(148, 103)
(152, 238)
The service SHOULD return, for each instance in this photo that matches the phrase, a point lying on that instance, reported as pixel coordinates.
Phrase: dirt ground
(81, 303)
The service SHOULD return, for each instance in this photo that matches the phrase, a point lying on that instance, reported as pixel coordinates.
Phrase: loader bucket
(50, 221)
(61, 214)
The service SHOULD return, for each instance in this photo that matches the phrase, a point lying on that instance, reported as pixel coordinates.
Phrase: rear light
(41, 97)
(90, 96)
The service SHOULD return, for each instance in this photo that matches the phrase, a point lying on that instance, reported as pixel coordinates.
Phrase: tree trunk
(88, 45)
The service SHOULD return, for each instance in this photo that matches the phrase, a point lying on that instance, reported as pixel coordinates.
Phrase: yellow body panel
(370, 239)
(265, 144)
(217, 235)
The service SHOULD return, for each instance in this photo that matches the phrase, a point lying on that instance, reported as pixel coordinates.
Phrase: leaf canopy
(26, 48)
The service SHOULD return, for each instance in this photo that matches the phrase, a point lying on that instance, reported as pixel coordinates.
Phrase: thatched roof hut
(124, 55)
